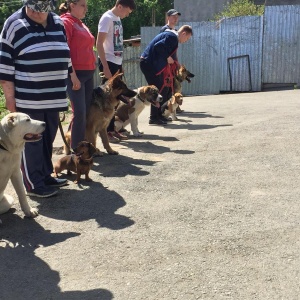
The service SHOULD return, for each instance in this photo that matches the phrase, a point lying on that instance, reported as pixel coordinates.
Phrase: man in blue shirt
(156, 64)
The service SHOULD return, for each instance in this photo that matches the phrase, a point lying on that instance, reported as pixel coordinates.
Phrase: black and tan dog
(182, 74)
(129, 113)
(80, 162)
(105, 99)
(169, 108)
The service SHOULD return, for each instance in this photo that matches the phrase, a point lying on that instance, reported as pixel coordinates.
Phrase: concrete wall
(198, 10)
(203, 10)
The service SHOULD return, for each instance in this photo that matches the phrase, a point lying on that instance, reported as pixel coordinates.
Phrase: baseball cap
(173, 12)
(40, 5)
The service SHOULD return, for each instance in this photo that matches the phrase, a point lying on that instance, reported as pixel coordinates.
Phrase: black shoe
(157, 122)
(166, 119)
(55, 182)
(42, 192)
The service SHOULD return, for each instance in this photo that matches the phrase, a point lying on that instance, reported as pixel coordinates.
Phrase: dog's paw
(98, 153)
(137, 134)
(32, 213)
(113, 152)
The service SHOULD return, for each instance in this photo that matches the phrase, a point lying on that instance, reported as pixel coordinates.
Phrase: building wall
(203, 10)
(198, 10)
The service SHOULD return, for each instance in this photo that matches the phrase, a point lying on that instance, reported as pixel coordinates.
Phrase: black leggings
(158, 81)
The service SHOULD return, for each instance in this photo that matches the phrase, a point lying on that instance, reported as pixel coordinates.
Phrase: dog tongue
(157, 104)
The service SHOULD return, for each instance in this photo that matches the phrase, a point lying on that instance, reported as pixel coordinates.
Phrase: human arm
(69, 25)
(9, 94)
(101, 53)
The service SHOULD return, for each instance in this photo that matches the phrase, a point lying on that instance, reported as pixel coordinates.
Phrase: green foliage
(7, 8)
(239, 8)
(141, 17)
(3, 110)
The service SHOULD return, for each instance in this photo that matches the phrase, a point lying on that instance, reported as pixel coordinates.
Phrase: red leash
(169, 73)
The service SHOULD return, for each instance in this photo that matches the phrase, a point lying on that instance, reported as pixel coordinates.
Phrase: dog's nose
(43, 124)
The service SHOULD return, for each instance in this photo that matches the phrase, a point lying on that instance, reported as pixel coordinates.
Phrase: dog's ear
(92, 149)
(11, 121)
(173, 100)
(170, 104)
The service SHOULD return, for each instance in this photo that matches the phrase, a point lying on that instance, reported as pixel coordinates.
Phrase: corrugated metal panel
(131, 65)
(241, 36)
(281, 44)
(201, 56)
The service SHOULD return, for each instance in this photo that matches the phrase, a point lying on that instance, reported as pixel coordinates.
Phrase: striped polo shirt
(37, 60)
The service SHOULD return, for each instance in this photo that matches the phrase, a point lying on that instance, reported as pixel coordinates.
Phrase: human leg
(36, 163)
(80, 102)
(152, 79)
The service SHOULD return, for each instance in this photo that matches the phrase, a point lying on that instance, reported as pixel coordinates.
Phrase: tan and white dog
(15, 130)
(129, 113)
(169, 108)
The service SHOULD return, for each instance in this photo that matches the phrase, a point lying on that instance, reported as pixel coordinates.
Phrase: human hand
(170, 60)
(75, 81)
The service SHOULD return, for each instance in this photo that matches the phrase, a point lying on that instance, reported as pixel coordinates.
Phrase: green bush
(239, 8)
(3, 110)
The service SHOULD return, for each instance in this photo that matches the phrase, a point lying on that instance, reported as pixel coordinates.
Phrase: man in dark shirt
(156, 63)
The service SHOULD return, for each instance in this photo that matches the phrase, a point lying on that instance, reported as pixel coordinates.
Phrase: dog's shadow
(145, 146)
(24, 275)
(81, 205)
(199, 115)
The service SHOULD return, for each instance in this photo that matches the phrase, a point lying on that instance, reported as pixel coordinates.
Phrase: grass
(3, 110)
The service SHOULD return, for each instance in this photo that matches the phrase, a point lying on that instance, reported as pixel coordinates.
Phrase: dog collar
(139, 97)
(2, 147)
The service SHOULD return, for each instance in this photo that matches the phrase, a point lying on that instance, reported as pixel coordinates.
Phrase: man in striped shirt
(34, 65)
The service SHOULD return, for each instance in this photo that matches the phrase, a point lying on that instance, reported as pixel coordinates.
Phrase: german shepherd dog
(105, 98)
(182, 74)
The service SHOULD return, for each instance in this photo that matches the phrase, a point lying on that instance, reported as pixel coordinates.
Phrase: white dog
(128, 113)
(15, 130)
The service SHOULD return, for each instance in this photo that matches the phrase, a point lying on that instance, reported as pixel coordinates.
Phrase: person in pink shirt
(80, 83)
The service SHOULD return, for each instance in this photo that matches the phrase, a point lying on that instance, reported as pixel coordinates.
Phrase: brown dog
(169, 108)
(81, 162)
(182, 74)
(105, 99)
(129, 113)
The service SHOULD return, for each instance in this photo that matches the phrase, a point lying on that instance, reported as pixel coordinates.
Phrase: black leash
(62, 132)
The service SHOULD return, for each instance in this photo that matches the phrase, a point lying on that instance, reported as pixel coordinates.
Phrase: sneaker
(112, 138)
(42, 192)
(120, 136)
(56, 182)
(157, 122)
(124, 131)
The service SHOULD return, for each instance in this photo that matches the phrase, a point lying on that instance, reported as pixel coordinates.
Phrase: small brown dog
(169, 108)
(81, 162)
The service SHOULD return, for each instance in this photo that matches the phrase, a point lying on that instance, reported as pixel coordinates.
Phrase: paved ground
(204, 208)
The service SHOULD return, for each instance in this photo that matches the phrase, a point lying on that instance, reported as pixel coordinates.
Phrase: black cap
(173, 12)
